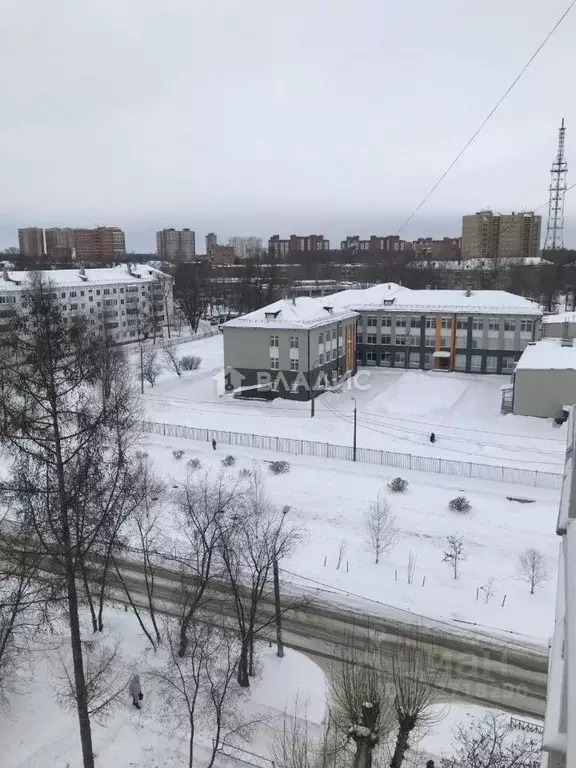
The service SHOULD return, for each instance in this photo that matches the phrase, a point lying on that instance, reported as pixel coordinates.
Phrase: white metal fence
(517, 476)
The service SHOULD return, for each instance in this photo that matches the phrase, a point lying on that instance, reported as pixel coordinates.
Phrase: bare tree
(532, 568)
(379, 528)
(295, 747)
(63, 434)
(151, 366)
(419, 675)
(191, 291)
(172, 359)
(198, 688)
(491, 742)
(455, 553)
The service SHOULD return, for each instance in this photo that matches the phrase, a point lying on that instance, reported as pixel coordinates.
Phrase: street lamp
(276, 572)
(354, 439)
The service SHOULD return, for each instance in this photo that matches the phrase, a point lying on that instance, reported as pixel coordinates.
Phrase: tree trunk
(401, 747)
(243, 676)
(89, 600)
(363, 756)
(251, 657)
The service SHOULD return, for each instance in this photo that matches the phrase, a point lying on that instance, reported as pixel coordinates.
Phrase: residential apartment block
(452, 330)
(246, 247)
(100, 245)
(60, 243)
(176, 244)
(280, 248)
(31, 242)
(292, 349)
(488, 235)
(211, 243)
(375, 243)
(126, 303)
(223, 254)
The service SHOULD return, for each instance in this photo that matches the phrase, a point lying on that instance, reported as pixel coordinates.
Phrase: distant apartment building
(124, 303)
(246, 247)
(223, 254)
(211, 243)
(488, 235)
(302, 243)
(176, 244)
(375, 243)
(100, 244)
(446, 249)
(60, 243)
(31, 242)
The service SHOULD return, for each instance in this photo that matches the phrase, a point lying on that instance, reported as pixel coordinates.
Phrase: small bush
(460, 504)
(279, 467)
(229, 461)
(190, 362)
(398, 485)
(141, 455)
(194, 464)
(178, 454)
(245, 473)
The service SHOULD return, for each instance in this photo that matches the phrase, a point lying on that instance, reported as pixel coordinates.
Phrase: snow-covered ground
(397, 411)
(328, 500)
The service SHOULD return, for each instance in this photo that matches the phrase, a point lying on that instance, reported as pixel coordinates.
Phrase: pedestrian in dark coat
(213, 444)
(432, 437)
(430, 764)
(136, 691)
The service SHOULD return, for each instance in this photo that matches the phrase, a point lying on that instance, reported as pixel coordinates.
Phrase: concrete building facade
(211, 243)
(293, 349)
(280, 248)
(176, 244)
(60, 243)
(223, 254)
(488, 235)
(31, 243)
(544, 380)
(387, 243)
(246, 247)
(126, 303)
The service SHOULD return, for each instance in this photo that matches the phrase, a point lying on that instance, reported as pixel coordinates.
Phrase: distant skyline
(257, 118)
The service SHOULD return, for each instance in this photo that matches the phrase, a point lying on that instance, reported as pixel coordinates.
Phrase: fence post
(277, 443)
(164, 425)
(410, 460)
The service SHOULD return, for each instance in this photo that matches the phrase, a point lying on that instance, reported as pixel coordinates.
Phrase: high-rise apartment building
(60, 243)
(100, 244)
(375, 243)
(223, 254)
(176, 244)
(279, 248)
(31, 242)
(488, 235)
(246, 247)
(211, 243)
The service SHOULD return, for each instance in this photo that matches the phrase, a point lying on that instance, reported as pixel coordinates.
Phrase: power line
(488, 116)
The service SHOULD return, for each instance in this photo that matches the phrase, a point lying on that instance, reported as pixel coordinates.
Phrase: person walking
(432, 437)
(136, 691)
(213, 443)
(430, 764)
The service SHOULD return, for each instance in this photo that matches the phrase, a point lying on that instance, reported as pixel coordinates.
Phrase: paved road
(481, 669)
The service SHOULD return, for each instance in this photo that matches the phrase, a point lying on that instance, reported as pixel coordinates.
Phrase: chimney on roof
(82, 270)
(129, 267)
(468, 292)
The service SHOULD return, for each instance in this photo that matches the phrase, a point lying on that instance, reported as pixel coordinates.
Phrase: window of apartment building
(444, 341)
(90, 298)
(414, 341)
(492, 343)
(385, 359)
(386, 339)
(372, 321)
(81, 293)
(294, 341)
(510, 344)
(294, 364)
(91, 310)
(446, 323)
(106, 291)
(333, 334)
(475, 344)
(274, 341)
(400, 322)
(526, 326)
(508, 364)
(73, 294)
(493, 324)
(386, 321)
(73, 306)
(477, 324)
(334, 354)
(371, 338)
(491, 363)
(462, 324)
(400, 341)
(63, 295)
(428, 360)
(320, 339)
(274, 364)
(321, 359)
(400, 358)
(121, 290)
(476, 363)
(429, 341)
(371, 358)
(460, 362)
(430, 321)
(510, 325)
(113, 290)
(414, 322)
(98, 292)
(414, 360)
(359, 338)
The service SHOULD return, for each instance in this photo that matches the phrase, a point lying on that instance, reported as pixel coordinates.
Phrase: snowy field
(397, 411)
(328, 500)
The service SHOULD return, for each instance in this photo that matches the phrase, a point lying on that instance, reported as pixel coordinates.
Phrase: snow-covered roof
(547, 355)
(11, 280)
(298, 313)
(407, 300)
(560, 318)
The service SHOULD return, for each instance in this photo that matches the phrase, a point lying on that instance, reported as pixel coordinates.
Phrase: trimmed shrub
(229, 461)
(190, 362)
(245, 473)
(279, 467)
(460, 504)
(178, 454)
(397, 485)
(194, 464)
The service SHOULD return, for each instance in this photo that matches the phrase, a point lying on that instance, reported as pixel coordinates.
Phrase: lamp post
(354, 438)
(276, 572)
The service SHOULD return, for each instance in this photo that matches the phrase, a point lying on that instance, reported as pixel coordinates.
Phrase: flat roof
(299, 313)
(547, 355)
(11, 280)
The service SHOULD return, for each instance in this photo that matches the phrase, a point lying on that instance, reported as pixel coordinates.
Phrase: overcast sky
(261, 116)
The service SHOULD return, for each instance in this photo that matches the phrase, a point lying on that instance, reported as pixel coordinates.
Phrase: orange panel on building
(350, 338)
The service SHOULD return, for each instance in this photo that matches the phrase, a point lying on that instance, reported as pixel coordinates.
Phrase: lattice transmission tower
(558, 174)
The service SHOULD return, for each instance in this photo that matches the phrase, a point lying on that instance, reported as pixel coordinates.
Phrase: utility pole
(354, 441)
(558, 173)
(276, 573)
